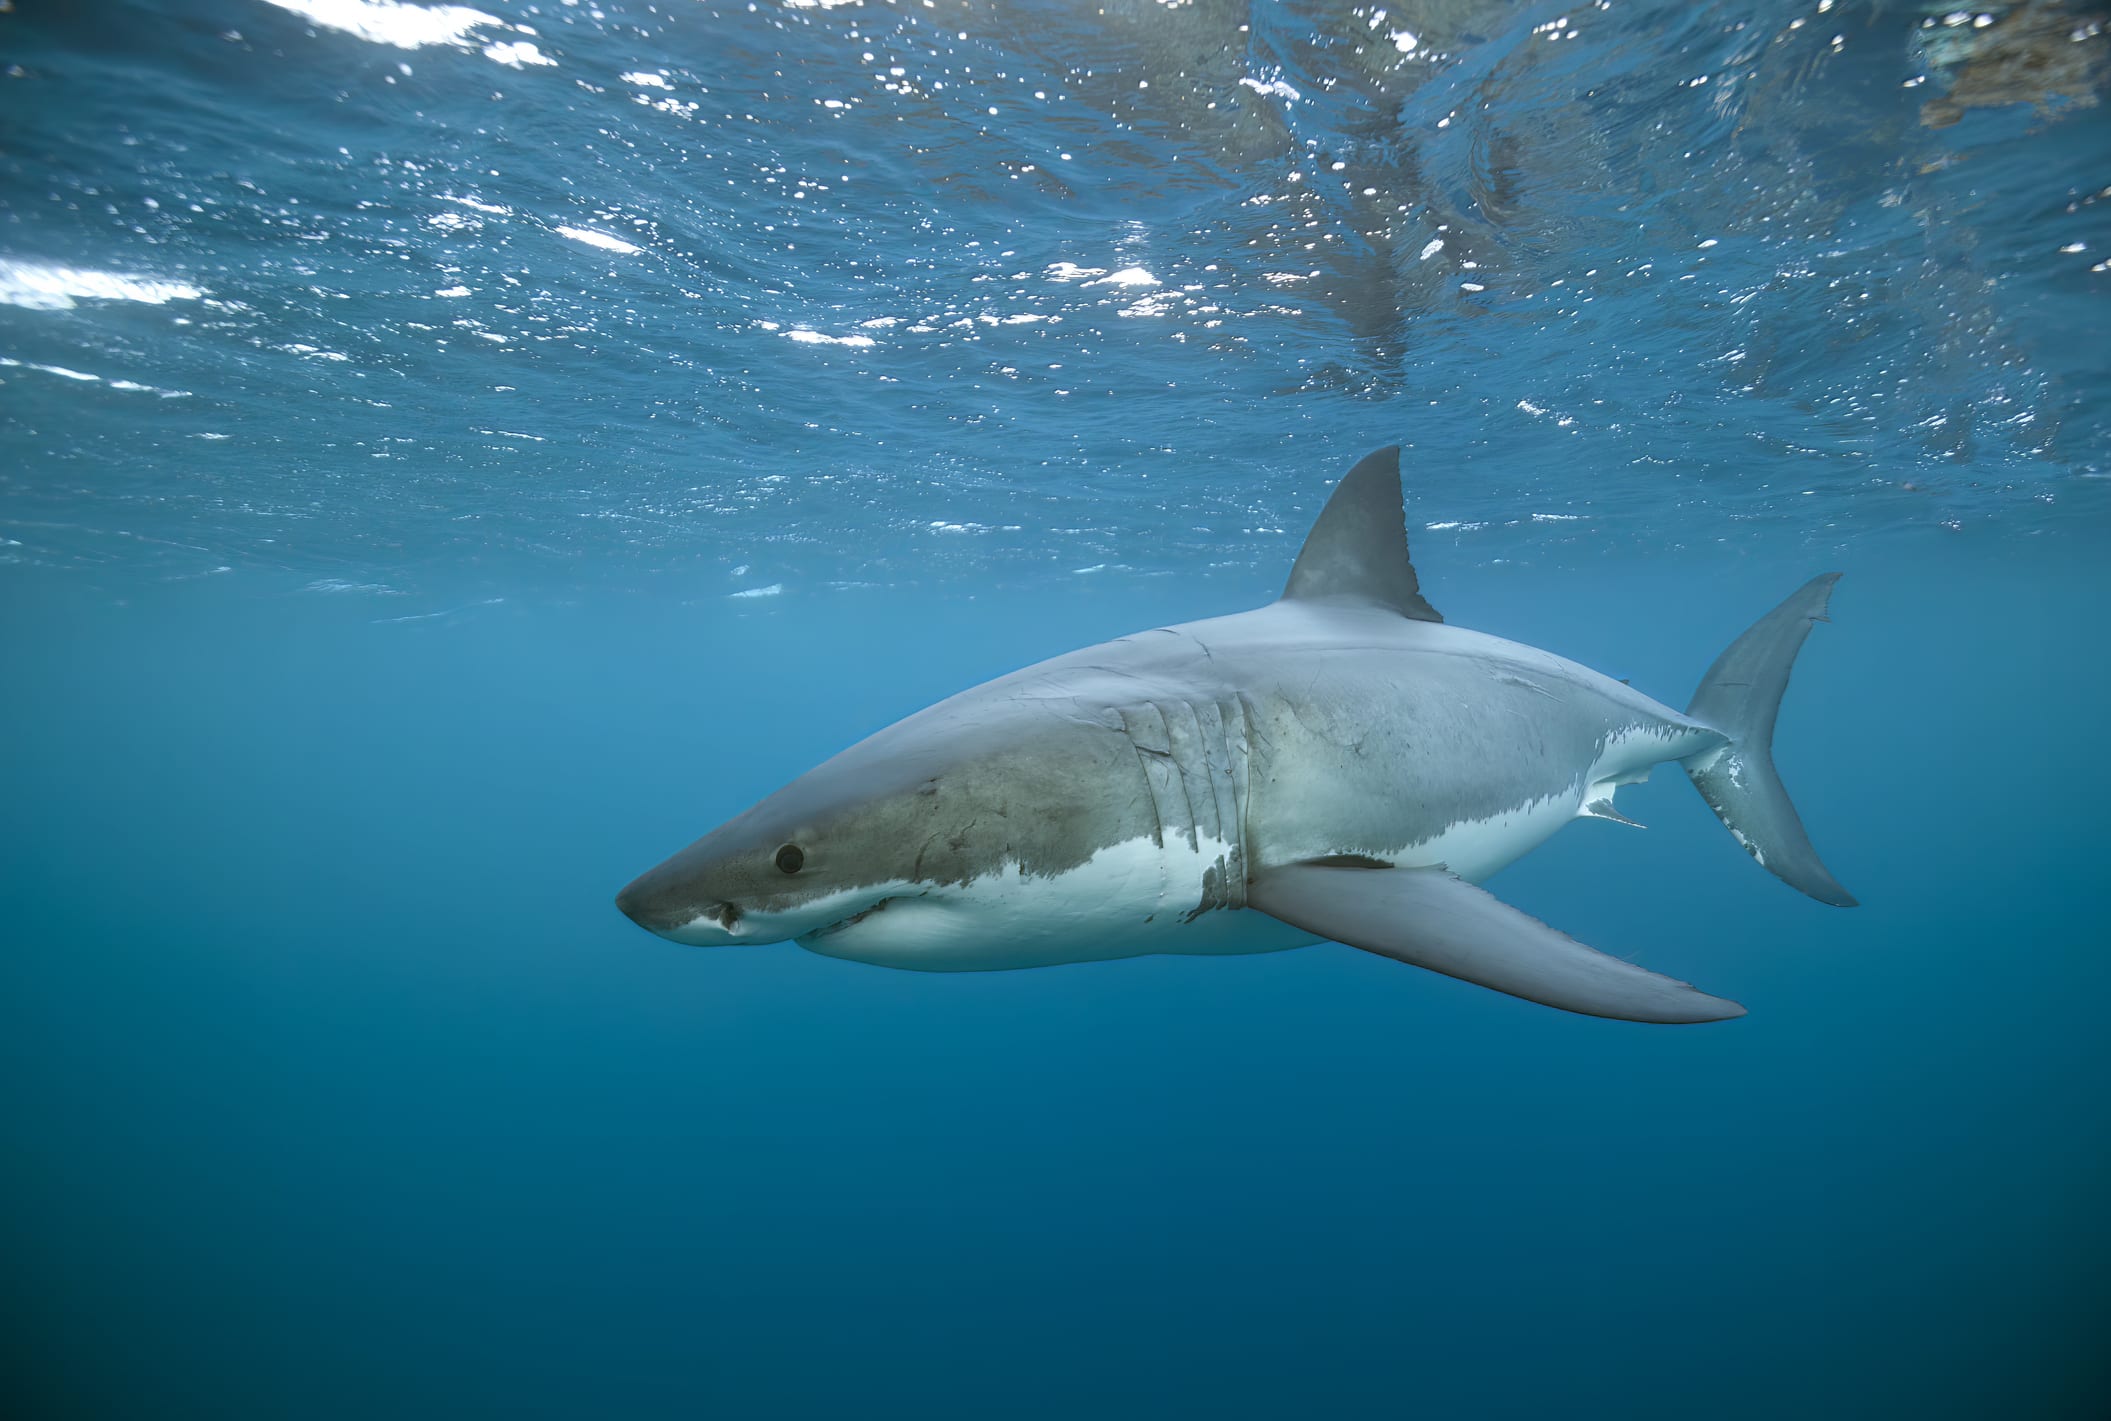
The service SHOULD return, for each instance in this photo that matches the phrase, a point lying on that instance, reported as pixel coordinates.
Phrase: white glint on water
(35, 286)
(389, 22)
(406, 26)
(516, 54)
(602, 240)
(1272, 88)
(8, 362)
(59, 370)
(339, 585)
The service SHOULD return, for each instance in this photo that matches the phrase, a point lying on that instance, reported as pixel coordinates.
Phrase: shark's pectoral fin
(1427, 917)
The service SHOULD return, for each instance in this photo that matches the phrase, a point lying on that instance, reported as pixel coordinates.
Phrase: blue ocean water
(455, 455)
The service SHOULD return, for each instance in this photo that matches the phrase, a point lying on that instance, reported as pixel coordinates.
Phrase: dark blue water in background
(440, 477)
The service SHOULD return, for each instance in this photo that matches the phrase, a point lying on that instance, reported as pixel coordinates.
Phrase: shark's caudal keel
(1339, 764)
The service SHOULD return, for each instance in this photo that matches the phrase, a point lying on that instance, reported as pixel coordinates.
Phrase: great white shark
(1340, 765)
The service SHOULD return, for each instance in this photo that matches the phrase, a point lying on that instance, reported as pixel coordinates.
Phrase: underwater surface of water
(451, 456)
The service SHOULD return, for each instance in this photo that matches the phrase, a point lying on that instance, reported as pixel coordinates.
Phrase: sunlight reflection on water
(794, 285)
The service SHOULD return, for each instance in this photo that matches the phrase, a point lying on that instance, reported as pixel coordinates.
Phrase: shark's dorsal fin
(1357, 551)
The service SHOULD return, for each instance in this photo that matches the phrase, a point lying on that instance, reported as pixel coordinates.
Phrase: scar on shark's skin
(1340, 764)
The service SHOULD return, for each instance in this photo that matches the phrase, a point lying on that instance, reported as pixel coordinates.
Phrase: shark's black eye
(791, 858)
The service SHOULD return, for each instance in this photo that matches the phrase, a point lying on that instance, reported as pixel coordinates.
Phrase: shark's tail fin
(1740, 696)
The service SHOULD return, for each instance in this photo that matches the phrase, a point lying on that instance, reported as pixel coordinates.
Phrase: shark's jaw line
(725, 925)
(1341, 763)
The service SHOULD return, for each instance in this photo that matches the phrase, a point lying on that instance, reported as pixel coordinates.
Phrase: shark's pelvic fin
(1603, 809)
(1740, 696)
(1357, 551)
(1427, 917)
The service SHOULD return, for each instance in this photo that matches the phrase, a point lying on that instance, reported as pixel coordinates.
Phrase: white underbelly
(1127, 900)
(1475, 848)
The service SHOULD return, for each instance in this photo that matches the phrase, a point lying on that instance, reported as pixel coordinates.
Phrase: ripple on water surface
(840, 292)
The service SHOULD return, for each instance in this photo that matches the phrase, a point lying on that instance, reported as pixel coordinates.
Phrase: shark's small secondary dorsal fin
(1357, 551)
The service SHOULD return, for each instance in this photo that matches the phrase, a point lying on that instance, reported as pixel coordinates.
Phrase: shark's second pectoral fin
(1427, 917)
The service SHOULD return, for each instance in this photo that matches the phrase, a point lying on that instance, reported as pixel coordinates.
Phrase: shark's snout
(638, 903)
(665, 903)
